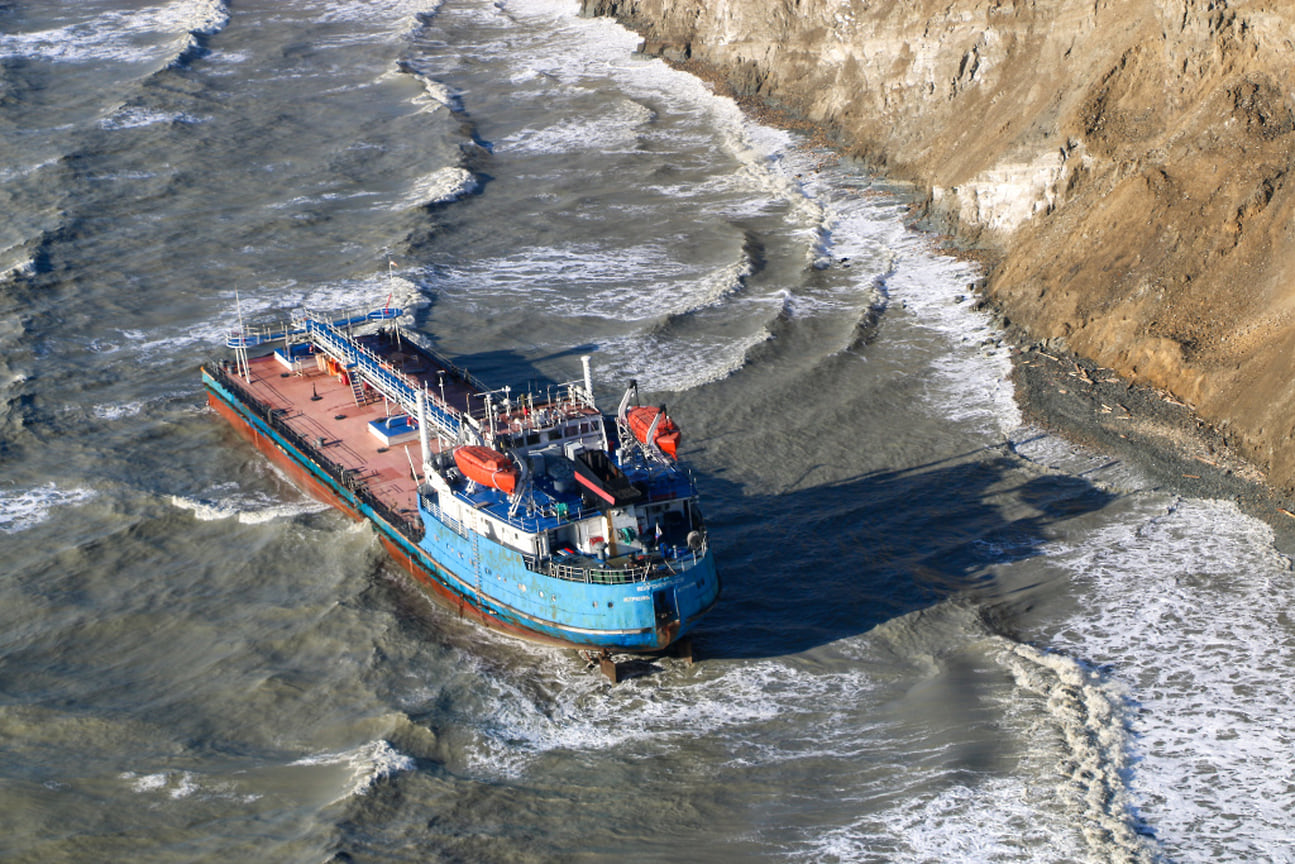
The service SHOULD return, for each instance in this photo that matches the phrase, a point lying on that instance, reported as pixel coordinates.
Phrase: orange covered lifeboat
(640, 421)
(487, 466)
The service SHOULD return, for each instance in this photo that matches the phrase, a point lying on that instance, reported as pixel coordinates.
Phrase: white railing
(396, 386)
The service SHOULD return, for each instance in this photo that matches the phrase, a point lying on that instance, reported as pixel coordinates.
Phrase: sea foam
(587, 716)
(368, 764)
(247, 508)
(440, 187)
(152, 35)
(1187, 604)
(404, 15)
(21, 509)
(135, 117)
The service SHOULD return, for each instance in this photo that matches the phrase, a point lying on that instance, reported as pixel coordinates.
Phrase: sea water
(944, 635)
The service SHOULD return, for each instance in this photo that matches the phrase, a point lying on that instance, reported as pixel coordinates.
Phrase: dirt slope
(1129, 160)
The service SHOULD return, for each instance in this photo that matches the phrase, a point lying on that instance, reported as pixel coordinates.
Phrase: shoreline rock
(1094, 407)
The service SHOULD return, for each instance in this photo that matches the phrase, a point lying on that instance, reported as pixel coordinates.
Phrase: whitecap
(247, 508)
(368, 763)
(1096, 755)
(684, 293)
(661, 286)
(969, 381)
(675, 363)
(141, 783)
(26, 508)
(1187, 605)
(614, 130)
(9, 173)
(438, 95)
(441, 186)
(589, 717)
(181, 785)
(135, 117)
(404, 15)
(17, 266)
(1057, 454)
(117, 410)
(934, 827)
(153, 34)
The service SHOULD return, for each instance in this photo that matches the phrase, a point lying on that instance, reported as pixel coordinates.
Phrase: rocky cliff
(1128, 161)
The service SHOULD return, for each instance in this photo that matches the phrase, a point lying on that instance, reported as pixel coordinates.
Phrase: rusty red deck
(339, 428)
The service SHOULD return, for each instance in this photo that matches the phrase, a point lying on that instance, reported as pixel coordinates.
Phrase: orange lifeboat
(640, 421)
(487, 466)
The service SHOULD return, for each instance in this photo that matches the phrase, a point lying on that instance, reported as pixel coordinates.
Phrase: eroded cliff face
(1129, 159)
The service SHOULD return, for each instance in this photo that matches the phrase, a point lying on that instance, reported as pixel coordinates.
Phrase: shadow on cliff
(810, 567)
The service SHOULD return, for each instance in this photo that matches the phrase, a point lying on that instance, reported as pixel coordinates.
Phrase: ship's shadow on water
(520, 373)
(809, 567)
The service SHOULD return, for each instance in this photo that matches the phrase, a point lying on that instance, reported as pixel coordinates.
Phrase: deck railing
(588, 575)
(396, 386)
(612, 575)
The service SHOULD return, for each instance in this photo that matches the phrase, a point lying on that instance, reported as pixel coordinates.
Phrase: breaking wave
(27, 508)
(615, 130)
(1090, 712)
(135, 117)
(663, 361)
(160, 35)
(1189, 610)
(591, 717)
(659, 285)
(368, 764)
(403, 15)
(440, 187)
(435, 93)
(246, 508)
(16, 263)
(934, 827)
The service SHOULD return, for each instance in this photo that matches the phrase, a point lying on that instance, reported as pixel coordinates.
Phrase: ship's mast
(424, 444)
(240, 352)
(589, 380)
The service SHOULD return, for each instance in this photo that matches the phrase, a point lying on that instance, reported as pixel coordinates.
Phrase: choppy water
(944, 636)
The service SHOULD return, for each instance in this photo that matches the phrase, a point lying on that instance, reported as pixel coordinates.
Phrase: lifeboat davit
(640, 421)
(487, 466)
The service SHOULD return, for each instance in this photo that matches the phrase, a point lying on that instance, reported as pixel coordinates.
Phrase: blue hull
(484, 579)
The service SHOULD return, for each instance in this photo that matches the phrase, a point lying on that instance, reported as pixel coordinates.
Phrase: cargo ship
(532, 513)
